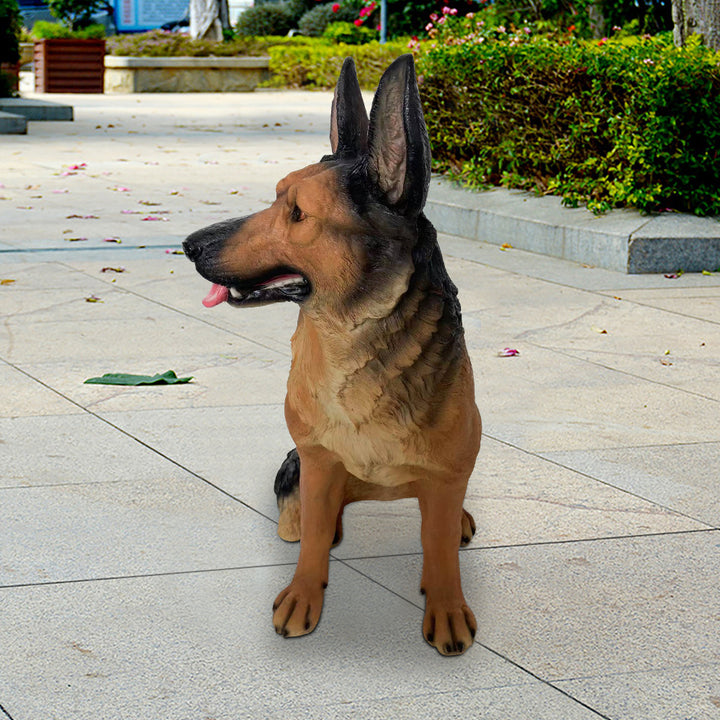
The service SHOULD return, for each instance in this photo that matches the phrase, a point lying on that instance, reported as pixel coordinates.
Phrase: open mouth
(279, 286)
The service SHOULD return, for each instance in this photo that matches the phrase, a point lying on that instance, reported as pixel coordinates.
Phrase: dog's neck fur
(392, 357)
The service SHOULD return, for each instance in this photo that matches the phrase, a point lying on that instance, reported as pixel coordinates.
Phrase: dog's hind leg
(287, 492)
(467, 528)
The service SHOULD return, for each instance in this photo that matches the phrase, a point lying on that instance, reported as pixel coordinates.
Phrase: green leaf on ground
(166, 378)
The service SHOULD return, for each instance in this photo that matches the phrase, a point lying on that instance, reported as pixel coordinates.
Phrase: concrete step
(621, 240)
(11, 124)
(36, 109)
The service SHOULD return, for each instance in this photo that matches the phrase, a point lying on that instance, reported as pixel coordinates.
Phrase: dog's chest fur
(369, 393)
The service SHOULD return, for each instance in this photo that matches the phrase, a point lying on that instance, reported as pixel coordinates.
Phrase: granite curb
(16, 112)
(621, 240)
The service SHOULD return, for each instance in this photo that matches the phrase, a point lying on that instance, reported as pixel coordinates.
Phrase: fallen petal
(599, 330)
(112, 240)
(508, 352)
(93, 299)
(113, 269)
(6, 281)
(506, 246)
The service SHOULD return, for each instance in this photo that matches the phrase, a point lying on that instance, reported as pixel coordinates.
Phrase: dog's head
(340, 229)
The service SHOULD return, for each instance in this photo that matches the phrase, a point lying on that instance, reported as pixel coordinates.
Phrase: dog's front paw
(449, 628)
(296, 610)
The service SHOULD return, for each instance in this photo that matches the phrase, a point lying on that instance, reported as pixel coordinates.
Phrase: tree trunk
(697, 17)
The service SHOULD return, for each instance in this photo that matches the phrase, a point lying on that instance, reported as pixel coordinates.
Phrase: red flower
(358, 22)
(336, 7)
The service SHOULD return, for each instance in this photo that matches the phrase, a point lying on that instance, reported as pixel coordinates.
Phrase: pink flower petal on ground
(93, 299)
(120, 188)
(112, 240)
(61, 192)
(153, 218)
(508, 352)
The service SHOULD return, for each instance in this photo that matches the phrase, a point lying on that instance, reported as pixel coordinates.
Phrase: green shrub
(317, 64)
(314, 22)
(158, 43)
(609, 124)
(268, 19)
(349, 33)
(76, 14)
(42, 29)
(9, 31)
(297, 8)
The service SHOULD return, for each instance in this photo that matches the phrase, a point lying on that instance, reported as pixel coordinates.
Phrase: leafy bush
(348, 33)
(8, 84)
(632, 123)
(317, 64)
(268, 19)
(9, 31)
(314, 22)
(76, 14)
(159, 43)
(42, 29)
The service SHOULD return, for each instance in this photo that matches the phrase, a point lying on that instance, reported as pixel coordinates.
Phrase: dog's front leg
(322, 488)
(449, 624)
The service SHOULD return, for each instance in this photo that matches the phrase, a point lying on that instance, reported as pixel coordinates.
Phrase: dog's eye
(297, 215)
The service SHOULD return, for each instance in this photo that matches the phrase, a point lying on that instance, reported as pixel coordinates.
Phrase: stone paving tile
(171, 522)
(553, 402)
(25, 397)
(202, 645)
(691, 693)
(683, 477)
(573, 610)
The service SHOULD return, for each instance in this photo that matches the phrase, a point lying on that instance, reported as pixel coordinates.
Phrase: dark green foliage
(618, 124)
(314, 22)
(409, 18)
(268, 19)
(76, 14)
(157, 43)
(9, 31)
(297, 8)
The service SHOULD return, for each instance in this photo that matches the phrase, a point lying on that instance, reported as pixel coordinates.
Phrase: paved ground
(138, 555)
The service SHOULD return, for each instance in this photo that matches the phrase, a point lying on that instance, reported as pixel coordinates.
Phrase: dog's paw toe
(449, 631)
(296, 610)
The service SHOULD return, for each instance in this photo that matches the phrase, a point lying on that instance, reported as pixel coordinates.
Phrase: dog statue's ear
(399, 148)
(348, 118)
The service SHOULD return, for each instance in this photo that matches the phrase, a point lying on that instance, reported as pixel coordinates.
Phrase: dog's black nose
(193, 247)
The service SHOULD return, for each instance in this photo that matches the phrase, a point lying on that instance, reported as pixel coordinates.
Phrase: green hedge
(157, 43)
(316, 65)
(616, 123)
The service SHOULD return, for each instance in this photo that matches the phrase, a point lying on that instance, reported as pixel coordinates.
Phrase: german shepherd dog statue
(380, 397)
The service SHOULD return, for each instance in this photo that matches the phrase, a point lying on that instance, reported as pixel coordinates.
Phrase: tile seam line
(667, 386)
(557, 463)
(182, 313)
(141, 442)
(497, 653)
(543, 543)
(597, 291)
(140, 576)
(5, 712)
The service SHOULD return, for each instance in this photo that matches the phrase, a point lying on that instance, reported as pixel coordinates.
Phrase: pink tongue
(218, 294)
